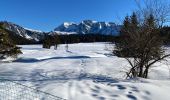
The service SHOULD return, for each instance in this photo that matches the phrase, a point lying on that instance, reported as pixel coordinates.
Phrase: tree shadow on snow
(60, 75)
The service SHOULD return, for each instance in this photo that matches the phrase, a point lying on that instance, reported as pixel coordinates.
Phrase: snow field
(88, 71)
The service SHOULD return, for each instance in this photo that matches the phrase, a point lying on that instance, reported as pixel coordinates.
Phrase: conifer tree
(56, 41)
(47, 42)
(128, 37)
(7, 48)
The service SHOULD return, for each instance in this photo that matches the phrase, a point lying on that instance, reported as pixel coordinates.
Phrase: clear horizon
(45, 15)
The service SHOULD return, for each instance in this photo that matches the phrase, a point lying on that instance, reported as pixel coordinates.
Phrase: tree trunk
(145, 74)
(140, 71)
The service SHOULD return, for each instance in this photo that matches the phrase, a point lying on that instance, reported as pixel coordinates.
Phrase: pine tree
(120, 49)
(56, 41)
(128, 37)
(47, 42)
(7, 48)
(134, 20)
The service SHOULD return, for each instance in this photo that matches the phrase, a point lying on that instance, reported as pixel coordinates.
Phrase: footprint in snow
(131, 97)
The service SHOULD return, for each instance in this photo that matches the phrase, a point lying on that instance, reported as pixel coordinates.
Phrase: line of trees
(54, 40)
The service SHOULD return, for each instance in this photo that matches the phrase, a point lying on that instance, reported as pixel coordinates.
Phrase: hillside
(22, 35)
(15, 38)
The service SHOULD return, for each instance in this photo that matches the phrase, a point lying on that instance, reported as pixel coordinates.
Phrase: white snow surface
(67, 24)
(33, 30)
(62, 33)
(88, 71)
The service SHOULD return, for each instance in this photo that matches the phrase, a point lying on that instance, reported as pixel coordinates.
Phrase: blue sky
(47, 14)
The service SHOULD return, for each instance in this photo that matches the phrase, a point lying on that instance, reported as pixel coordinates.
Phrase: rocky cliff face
(89, 27)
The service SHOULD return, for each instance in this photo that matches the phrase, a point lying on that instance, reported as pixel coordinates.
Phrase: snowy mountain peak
(67, 24)
(89, 27)
(88, 21)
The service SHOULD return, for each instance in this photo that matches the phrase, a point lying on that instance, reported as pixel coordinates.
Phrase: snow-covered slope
(88, 71)
(23, 32)
(90, 27)
(61, 33)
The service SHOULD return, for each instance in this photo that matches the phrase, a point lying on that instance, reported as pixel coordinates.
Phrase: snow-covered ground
(88, 71)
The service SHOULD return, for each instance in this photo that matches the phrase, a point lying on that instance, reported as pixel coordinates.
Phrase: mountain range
(89, 27)
(84, 27)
